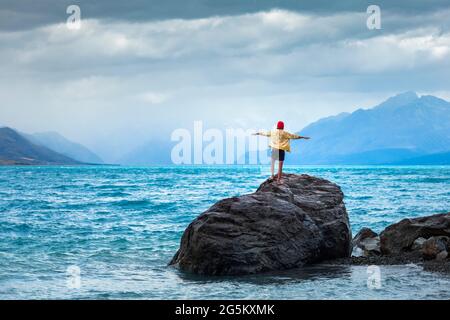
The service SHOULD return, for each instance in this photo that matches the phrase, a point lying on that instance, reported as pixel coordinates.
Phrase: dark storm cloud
(26, 14)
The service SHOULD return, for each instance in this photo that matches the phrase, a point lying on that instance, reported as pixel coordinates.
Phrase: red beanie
(280, 125)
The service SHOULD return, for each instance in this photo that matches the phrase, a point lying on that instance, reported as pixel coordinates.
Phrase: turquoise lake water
(120, 226)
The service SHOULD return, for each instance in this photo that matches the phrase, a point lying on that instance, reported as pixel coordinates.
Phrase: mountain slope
(17, 150)
(403, 127)
(60, 144)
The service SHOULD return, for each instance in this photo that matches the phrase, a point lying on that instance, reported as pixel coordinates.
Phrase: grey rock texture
(301, 221)
(418, 243)
(365, 243)
(435, 248)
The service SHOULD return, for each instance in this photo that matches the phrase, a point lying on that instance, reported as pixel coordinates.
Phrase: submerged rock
(302, 221)
(400, 237)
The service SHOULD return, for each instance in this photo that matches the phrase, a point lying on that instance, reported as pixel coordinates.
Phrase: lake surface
(109, 232)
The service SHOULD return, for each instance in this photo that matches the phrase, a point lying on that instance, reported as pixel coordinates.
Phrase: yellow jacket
(279, 139)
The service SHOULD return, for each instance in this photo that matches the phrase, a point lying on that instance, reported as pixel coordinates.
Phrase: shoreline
(400, 260)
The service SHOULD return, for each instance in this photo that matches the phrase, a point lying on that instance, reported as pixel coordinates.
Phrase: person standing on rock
(280, 143)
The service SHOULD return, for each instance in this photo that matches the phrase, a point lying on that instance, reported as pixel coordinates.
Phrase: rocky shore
(424, 241)
(299, 222)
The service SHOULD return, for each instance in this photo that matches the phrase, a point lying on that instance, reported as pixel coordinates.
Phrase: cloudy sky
(136, 70)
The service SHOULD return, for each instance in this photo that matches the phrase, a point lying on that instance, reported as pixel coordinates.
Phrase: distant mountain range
(405, 129)
(60, 144)
(17, 150)
(41, 149)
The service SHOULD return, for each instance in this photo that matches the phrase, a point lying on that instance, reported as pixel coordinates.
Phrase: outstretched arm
(266, 134)
(296, 136)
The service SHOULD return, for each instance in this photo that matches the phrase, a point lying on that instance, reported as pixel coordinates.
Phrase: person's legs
(282, 154)
(280, 170)
(272, 168)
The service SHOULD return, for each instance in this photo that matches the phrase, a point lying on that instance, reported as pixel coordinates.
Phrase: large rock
(278, 227)
(400, 237)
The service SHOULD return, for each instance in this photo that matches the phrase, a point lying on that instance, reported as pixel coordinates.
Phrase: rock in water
(366, 243)
(434, 246)
(400, 237)
(278, 227)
